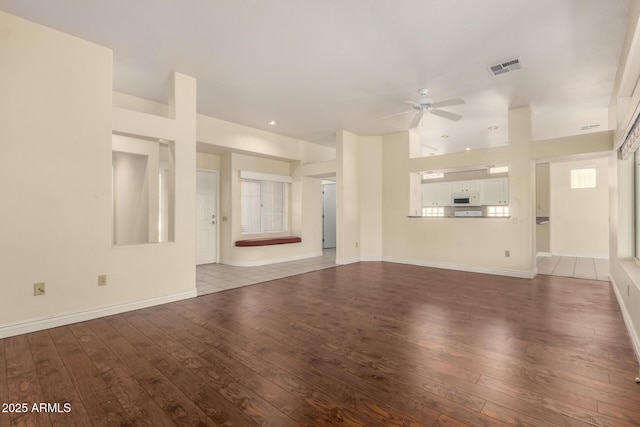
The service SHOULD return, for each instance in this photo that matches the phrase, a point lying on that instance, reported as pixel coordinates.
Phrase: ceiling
(320, 66)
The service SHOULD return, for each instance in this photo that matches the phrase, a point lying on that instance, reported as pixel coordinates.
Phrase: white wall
(579, 217)
(57, 122)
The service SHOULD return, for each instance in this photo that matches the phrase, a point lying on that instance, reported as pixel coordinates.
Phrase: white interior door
(207, 217)
(328, 216)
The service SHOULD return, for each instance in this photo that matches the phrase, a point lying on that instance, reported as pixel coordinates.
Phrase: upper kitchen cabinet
(436, 194)
(465, 186)
(494, 192)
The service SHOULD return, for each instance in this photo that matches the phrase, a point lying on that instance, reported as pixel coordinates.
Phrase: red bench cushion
(266, 241)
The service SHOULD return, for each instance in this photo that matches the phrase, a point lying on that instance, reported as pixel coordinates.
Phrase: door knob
(213, 216)
(213, 222)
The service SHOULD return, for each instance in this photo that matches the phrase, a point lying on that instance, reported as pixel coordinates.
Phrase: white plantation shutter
(250, 206)
(263, 205)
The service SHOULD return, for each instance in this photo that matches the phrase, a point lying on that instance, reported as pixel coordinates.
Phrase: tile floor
(582, 268)
(219, 277)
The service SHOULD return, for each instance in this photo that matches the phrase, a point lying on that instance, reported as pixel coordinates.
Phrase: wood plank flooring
(369, 344)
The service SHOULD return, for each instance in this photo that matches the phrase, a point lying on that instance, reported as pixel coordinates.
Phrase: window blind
(263, 206)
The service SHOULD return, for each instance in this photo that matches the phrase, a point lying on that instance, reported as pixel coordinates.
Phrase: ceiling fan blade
(397, 114)
(415, 104)
(448, 103)
(446, 114)
(416, 120)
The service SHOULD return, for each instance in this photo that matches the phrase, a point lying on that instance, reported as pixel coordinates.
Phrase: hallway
(212, 278)
(581, 268)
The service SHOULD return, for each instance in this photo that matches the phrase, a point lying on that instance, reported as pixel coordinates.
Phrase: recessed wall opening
(476, 191)
(143, 190)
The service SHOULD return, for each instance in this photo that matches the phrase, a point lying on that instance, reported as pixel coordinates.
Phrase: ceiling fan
(426, 105)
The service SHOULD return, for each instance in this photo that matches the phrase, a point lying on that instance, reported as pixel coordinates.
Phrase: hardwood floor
(369, 344)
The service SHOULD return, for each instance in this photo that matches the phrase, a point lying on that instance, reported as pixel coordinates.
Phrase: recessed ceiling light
(492, 128)
(444, 136)
(273, 123)
(467, 149)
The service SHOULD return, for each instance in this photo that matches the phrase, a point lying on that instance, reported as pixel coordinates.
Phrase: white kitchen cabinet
(494, 192)
(436, 194)
(465, 186)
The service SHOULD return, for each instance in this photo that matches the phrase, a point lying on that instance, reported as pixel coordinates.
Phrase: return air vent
(589, 127)
(505, 67)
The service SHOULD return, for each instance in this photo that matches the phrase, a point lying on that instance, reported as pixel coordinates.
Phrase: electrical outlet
(38, 289)
(507, 253)
(102, 280)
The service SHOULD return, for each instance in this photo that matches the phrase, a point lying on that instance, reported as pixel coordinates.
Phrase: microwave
(465, 199)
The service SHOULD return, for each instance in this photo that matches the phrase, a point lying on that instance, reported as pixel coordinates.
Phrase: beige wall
(56, 141)
(208, 161)
(347, 198)
(305, 213)
(370, 185)
(579, 217)
(543, 231)
(624, 268)
(475, 244)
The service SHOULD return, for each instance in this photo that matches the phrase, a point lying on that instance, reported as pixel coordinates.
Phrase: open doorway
(572, 217)
(328, 214)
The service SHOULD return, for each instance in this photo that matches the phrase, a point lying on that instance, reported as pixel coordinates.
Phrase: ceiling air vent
(505, 67)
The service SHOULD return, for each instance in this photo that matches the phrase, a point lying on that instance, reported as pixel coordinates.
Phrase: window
(499, 169)
(583, 178)
(432, 211)
(636, 191)
(498, 211)
(263, 206)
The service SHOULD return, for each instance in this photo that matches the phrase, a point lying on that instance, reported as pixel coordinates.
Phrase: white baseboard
(510, 273)
(635, 340)
(370, 258)
(578, 256)
(345, 261)
(269, 261)
(38, 324)
(544, 254)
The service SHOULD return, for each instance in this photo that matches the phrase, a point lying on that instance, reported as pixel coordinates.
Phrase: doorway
(328, 215)
(206, 217)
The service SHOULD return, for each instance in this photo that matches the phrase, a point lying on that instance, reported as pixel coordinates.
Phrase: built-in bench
(266, 241)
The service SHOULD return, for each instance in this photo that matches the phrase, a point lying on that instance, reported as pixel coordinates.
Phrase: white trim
(38, 324)
(370, 258)
(217, 174)
(544, 254)
(523, 274)
(345, 261)
(579, 256)
(259, 176)
(269, 261)
(633, 334)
